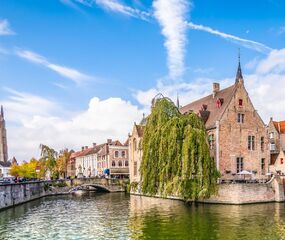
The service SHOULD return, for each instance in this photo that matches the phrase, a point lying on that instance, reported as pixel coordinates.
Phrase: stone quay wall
(17, 193)
(14, 194)
(242, 193)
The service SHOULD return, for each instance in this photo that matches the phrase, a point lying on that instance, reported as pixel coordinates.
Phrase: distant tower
(3, 138)
(177, 102)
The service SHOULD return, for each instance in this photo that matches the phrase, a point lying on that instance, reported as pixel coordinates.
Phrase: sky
(74, 72)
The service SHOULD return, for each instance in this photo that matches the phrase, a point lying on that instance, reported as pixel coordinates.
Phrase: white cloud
(274, 63)
(67, 72)
(32, 120)
(5, 28)
(259, 47)
(171, 16)
(187, 91)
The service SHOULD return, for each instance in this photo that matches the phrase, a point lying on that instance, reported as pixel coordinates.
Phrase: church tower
(3, 138)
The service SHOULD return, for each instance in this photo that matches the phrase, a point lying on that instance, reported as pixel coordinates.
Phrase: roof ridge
(200, 99)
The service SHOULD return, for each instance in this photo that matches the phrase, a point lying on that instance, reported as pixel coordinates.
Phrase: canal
(120, 216)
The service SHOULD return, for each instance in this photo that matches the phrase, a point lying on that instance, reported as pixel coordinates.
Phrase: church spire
(239, 72)
(2, 112)
(177, 102)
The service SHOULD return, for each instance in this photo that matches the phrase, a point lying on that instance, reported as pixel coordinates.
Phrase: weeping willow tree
(176, 157)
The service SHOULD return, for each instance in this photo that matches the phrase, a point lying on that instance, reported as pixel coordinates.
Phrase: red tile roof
(208, 108)
(280, 126)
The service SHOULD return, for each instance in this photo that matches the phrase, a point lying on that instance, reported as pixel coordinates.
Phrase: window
(262, 166)
(240, 118)
(135, 144)
(262, 143)
(251, 145)
(120, 163)
(272, 147)
(240, 102)
(135, 168)
(239, 164)
(126, 163)
(113, 164)
(116, 154)
(281, 161)
(123, 154)
(212, 141)
(271, 135)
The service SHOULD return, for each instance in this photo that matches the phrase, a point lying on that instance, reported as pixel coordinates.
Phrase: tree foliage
(26, 170)
(49, 162)
(176, 157)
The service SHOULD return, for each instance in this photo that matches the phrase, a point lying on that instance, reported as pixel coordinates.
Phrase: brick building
(276, 132)
(113, 159)
(238, 137)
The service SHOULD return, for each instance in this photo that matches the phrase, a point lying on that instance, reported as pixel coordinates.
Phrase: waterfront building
(108, 159)
(4, 163)
(71, 168)
(135, 150)
(113, 159)
(86, 161)
(276, 132)
(237, 135)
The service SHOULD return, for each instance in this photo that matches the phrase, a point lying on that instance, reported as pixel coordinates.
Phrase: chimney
(82, 148)
(109, 141)
(86, 147)
(94, 144)
(216, 89)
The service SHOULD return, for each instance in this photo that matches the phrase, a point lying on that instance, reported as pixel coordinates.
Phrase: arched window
(123, 154)
(116, 154)
(126, 163)
(113, 163)
(120, 163)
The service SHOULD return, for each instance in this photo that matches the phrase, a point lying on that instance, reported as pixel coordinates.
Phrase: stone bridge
(102, 184)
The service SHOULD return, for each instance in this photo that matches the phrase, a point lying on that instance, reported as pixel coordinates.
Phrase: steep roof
(211, 108)
(140, 129)
(280, 126)
(5, 163)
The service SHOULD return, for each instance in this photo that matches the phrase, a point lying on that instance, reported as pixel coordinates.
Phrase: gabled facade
(113, 159)
(237, 135)
(135, 150)
(276, 134)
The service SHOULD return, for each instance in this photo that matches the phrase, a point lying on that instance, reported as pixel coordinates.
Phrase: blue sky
(58, 55)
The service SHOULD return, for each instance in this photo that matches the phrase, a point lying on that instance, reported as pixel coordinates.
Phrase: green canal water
(120, 216)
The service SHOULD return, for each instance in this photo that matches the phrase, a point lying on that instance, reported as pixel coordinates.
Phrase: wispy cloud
(5, 28)
(171, 16)
(111, 5)
(67, 72)
(281, 30)
(259, 47)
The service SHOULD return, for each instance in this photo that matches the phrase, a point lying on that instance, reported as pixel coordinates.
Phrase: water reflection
(154, 219)
(120, 216)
